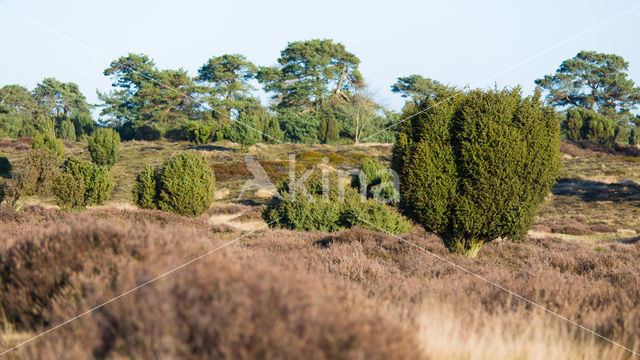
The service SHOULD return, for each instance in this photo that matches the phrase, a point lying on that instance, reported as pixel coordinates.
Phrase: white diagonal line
(516, 295)
(128, 65)
(134, 289)
(515, 66)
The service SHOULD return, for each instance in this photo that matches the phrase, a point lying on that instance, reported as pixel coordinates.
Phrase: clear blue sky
(455, 42)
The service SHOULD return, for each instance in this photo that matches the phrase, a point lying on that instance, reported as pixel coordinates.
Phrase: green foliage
(104, 146)
(622, 133)
(196, 132)
(138, 131)
(417, 87)
(298, 128)
(593, 81)
(145, 94)
(477, 167)
(375, 180)
(145, 189)
(69, 192)
(35, 177)
(311, 72)
(309, 206)
(60, 100)
(67, 130)
(582, 124)
(5, 166)
(246, 129)
(48, 142)
(634, 136)
(228, 89)
(185, 185)
(273, 134)
(94, 179)
(328, 128)
(17, 108)
(572, 126)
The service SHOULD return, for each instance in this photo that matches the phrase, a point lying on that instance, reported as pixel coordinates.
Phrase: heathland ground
(288, 294)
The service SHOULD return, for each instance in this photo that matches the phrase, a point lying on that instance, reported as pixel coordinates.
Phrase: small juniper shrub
(310, 206)
(245, 129)
(69, 192)
(104, 146)
(183, 184)
(82, 184)
(48, 142)
(196, 132)
(144, 189)
(35, 177)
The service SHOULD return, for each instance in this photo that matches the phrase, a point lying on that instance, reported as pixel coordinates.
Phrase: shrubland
(350, 294)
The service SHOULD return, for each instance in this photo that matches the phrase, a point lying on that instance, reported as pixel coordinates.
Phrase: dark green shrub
(35, 177)
(67, 130)
(572, 126)
(634, 136)
(94, 179)
(299, 127)
(130, 131)
(338, 207)
(196, 132)
(127, 131)
(69, 192)
(144, 189)
(147, 133)
(327, 128)
(375, 180)
(246, 129)
(583, 124)
(476, 167)
(104, 146)
(185, 185)
(622, 133)
(48, 142)
(5, 167)
(273, 134)
(221, 133)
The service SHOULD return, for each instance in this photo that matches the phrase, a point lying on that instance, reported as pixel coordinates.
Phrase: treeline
(596, 97)
(318, 96)
(53, 107)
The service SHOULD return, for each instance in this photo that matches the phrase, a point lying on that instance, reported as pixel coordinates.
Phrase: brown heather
(284, 294)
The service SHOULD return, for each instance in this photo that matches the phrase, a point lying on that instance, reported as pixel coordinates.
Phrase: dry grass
(354, 294)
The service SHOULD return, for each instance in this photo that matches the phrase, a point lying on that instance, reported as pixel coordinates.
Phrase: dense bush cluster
(38, 171)
(48, 142)
(196, 132)
(308, 205)
(52, 106)
(82, 184)
(104, 146)
(476, 167)
(183, 184)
